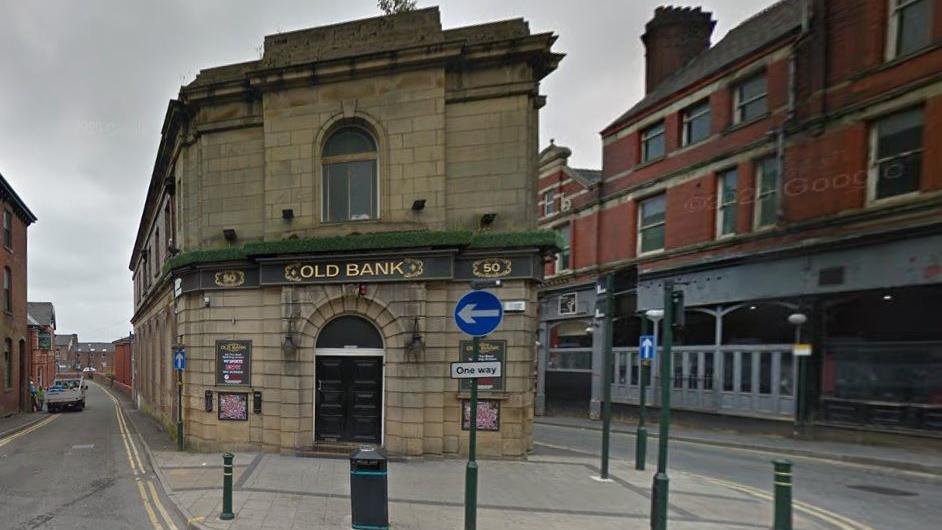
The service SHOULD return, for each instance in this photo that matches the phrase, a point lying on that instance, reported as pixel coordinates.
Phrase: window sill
(646, 163)
(650, 253)
(743, 124)
(8, 249)
(896, 61)
(901, 198)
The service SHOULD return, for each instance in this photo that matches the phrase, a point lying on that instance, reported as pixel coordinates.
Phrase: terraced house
(15, 218)
(311, 220)
(787, 178)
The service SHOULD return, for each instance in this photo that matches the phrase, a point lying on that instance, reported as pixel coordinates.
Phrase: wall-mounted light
(288, 346)
(205, 301)
(488, 219)
(418, 205)
(287, 214)
(229, 234)
(415, 344)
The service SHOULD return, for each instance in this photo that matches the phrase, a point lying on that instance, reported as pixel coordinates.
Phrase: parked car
(67, 391)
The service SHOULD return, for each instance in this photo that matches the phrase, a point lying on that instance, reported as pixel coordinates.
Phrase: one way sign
(648, 347)
(179, 359)
(476, 370)
(478, 313)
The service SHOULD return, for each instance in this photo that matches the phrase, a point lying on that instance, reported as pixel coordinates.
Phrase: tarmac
(549, 490)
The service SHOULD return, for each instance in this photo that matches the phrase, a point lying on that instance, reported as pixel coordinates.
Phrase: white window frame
(720, 180)
(687, 117)
(873, 171)
(663, 223)
(568, 250)
(894, 8)
(549, 203)
(646, 137)
(575, 304)
(325, 161)
(756, 211)
(739, 103)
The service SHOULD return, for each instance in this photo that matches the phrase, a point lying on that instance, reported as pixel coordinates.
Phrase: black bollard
(227, 487)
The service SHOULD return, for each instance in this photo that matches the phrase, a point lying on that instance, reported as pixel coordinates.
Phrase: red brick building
(791, 168)
(123, 367)
(97, 355)
(15, 217)
(42, 329)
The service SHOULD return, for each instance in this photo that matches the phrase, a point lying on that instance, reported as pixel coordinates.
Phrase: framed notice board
(490, 350)
(233, 406)
(488, 415)
(234, 362)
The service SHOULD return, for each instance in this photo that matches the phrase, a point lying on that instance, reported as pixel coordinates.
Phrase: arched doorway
(348, 382)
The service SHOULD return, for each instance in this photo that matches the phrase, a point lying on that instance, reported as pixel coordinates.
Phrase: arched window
(349, 332)
(350, 186)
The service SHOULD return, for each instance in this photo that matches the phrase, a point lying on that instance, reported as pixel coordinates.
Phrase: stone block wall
(421, 403)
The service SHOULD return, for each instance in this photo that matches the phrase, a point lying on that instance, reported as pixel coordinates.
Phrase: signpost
(647, 349)
(608, 315)
(179, 363)
(477, 314)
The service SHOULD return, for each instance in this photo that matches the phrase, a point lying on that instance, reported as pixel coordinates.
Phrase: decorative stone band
(359, 268)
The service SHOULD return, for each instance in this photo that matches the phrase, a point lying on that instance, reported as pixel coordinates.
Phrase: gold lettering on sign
(229, 278)
(233, 347)
(406, 268)
(491, 267)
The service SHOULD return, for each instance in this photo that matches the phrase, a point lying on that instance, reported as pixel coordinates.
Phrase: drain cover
(880, 490)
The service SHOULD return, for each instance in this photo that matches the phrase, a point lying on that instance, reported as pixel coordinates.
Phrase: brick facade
(826, 90)
(14, 334)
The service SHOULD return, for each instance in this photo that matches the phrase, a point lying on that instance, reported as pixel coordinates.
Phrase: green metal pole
(783, 495)
(641, 438)
(227, 487)
(471, 473)
(659, 492)
(179, 410)
(607, 377)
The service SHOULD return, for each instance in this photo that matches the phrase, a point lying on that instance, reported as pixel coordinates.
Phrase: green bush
(426, 239)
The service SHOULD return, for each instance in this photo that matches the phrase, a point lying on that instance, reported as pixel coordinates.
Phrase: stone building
(312, 218)
(15, 218)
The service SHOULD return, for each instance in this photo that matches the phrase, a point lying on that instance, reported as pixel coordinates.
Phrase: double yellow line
(28, 430)
(149, 495)
(835, 519)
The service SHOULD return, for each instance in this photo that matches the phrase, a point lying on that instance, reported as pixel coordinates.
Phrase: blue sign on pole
(648, 346)
(478, 313)
(179, 359)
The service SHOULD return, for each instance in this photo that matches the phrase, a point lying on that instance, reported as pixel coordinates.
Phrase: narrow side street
(80, 470)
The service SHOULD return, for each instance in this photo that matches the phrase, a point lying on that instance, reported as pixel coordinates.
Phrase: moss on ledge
(543, 239)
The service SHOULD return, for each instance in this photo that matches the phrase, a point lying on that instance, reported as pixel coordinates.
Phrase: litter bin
(369, 497)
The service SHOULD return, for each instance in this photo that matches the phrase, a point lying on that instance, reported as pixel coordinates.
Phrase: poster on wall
(488, 415)
(233, 406)
(234, 362)
(489, 350)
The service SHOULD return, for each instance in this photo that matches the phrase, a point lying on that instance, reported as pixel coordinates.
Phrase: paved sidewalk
(17, 422)
(928, 460)
(551, 491)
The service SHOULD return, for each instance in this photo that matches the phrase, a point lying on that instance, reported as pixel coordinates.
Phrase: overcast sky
(84, 86)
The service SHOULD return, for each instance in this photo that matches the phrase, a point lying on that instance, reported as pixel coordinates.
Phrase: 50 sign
(491, 267)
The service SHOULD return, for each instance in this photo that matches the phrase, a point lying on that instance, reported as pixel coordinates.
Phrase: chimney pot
(673, 37)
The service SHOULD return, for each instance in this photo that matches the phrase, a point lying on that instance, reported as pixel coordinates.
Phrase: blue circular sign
(478, 313)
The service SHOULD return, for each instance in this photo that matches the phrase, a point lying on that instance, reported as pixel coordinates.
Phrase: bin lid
(370, 453)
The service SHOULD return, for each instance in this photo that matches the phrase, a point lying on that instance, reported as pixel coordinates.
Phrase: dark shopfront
(873, 322)
(882, 362)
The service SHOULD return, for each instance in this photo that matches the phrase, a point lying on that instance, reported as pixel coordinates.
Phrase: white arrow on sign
(647, 343)
(468, 314)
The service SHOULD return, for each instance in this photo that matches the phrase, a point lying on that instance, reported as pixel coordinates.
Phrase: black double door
(348, 399)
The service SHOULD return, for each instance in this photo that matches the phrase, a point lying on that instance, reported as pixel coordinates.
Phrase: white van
(67, 391)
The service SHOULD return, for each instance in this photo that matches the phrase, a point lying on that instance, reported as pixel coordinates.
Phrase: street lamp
(797, 320)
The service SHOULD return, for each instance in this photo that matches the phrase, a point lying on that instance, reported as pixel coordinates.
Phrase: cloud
(86, 85)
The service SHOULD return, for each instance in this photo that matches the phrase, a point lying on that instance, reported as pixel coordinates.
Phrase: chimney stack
(672, 38)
